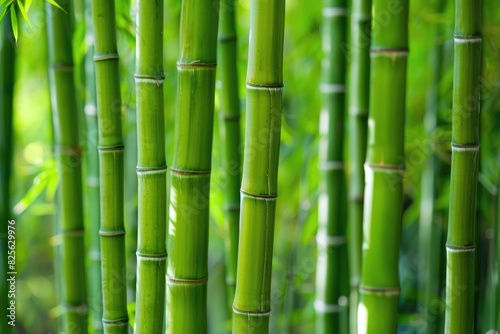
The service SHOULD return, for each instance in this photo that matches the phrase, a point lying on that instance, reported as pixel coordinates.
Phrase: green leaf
(27, 5)
(15, 27)
(55, 4)
(3, 11)
(24, 13)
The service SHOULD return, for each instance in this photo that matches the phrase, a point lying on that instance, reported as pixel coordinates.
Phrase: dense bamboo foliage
(230, 136)
(92, 181)
(187, 271)
(379, 289)
(151, 169)
(7, 67)
(112, 232)
(460, 244)
(357, 110)
(68, 156)
(331, 273)
(252, 301)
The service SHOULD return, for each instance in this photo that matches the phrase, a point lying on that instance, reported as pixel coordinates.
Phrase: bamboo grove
(376, 121)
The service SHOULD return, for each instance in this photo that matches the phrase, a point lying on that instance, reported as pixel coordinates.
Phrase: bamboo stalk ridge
(187, 271)
(252, 301)
(92, 180)
(230, 137)
(357, 108)
(379, 289)
(460, 244)
(151, 169)
(68, 158)
(7, 69)
(112, 232)
(332, 277)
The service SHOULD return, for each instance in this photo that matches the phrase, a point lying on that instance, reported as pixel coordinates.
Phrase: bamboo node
(111, 148)
(251, 313)
(356, 112)
(323, 239)
(230, 117)
(322, 307)
(189, 172)
(111, 233)
(232, 207)
(92, 181)
(252, 85)
(151, 170)
(199, 281)
(110, 56)
(331, 165)
(460, 249)
(153, 79)
(151, 257)
(62, 67)
(334, 11)
(468, 38)
(195, 63)
(76, 150)
(72, 233)
(390, 52)
(82, 308)
(383, 291)
(463, 148)
(227, 38)
(117, 322)
(385, 168)
(331, 88)
(90, 109)
(259, 196)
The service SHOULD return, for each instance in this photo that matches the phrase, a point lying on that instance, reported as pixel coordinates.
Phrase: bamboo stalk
(67, 152)
(230, 137)
(112, 232)
(252, 302)
(151, 169)
(379, 289)
(332, 274)
(187, 271)
(92, 180)
(460, 245)
(7, 69)
(358, 104)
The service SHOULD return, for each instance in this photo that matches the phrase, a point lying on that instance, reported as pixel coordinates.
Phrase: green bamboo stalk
(431, 236)
(187, 271)
(112, 232)
(151, 169)
(252, 301)
(92, 180)
(7, 69)
(460, 245)
(332, 275)
(358, 104)
(379, 289)
(230, 137)
(67, 152)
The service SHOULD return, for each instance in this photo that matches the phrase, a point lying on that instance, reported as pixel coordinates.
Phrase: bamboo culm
(357, 109)
(230, 137)
(460, 244)
(69, 220)
(112, 232)
(7, 69)
(187, 271)
(252, 301)
(383, 207)
(151, 170)
(332, 277)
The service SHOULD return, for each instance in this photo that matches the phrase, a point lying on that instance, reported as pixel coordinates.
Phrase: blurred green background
(34, 178)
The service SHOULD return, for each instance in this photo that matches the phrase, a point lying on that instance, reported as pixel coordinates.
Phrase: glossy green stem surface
(230, 137)
(68, 158)
(151, 169)
(187, 271)
(460, 245)
(252, 301)
(379, 289)
(112, 232)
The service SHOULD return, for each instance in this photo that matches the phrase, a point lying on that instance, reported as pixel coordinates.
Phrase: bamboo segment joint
(94, 255)
(152, 257)
(391, 52)
(232, 207)
(391, 291)
(251, 85)
(73, 233)
(359, 17)
(252, 313)
(118, 322)
(77, 150)
(153, 79)
(265, 196)
(62, 67)
(385, 168)
(467, 39)
(227, 38)
(189, 172)
(195, 63)
(330, 88)
(92, 181)
(82, 308)
(356, 112)
(200, 281)
(90, 110)
(323, 239)
(151, 170)
(111, 148)
(322, 307)
(331, 165)
(460, 249)
(334, 11)
(110, 56)
(230, 117)
(111, 233)
(459, 147)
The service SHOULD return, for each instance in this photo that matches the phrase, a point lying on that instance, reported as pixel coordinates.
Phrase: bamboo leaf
(15, 27)
(24, 13)
(55, 4)
(27, 5)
